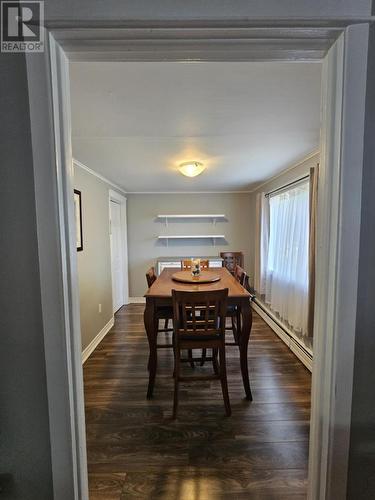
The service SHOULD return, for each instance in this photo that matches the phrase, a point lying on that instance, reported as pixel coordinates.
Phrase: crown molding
(315, 152)
(99, 176)
(188, 192)
(308, 157)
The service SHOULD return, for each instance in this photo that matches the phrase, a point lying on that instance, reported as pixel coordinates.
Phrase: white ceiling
(135, 122)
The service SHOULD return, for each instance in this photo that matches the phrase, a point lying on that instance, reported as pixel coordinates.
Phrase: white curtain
(286, 272)
(264, 243)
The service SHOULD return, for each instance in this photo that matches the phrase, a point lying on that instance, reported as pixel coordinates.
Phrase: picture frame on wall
(78, 219)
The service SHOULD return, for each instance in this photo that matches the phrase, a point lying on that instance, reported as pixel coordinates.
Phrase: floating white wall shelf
(212, 237)
(213, 217)
(191, 216)
(191, 236)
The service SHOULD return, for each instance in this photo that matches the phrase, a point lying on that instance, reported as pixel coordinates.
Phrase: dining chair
(199, 323)
(164, 313)
(151, 276)
(232, 312)
(231, 260)
(186, 264)
(239, 274)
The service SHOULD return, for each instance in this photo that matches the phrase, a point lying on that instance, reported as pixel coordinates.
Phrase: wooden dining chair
(232, 312)
(199, 323)
(186, 264)
(164, 313)
(239, 274)
(231, 260)
(151, 276)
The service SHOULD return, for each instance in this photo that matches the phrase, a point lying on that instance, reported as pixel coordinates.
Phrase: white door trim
(340, 189)
(121, 200)
(337, 206)
(48, 86)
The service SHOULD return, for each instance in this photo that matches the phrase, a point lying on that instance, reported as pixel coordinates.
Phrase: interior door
(117, 263)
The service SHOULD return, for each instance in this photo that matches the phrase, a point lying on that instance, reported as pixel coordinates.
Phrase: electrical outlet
(100, 308)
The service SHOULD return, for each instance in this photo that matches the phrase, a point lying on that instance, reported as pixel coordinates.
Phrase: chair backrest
(205, 264)
(240, 275)
(150, 276)
(186, 264)
(199, 313)
(246, 284)
(231, 260)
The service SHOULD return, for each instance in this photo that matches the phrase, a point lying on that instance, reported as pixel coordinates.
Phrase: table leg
(243, 344)
(151, 330)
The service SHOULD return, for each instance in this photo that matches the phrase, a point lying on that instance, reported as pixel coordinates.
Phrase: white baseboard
(86, 353)
(293, 345)
(137, 300)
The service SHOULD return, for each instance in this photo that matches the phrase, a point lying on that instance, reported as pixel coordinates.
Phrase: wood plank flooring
(135, 450)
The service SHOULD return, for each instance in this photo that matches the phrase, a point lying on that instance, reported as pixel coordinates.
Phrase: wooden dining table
(160, 294)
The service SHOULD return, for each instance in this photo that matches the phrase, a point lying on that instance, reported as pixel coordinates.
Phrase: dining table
(160, 294)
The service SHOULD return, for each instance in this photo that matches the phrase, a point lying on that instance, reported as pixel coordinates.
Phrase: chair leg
(166, 321)
(238, 322)
(223, 380)
(176, 375)
(214, 361)
(238, 317)
(204, 356)
(190, 356)
(234, 329)
(156, 341)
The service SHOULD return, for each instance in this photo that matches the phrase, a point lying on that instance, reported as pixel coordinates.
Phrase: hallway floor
(135, 450)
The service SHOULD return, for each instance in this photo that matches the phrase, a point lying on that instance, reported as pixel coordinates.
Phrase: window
(286, 261)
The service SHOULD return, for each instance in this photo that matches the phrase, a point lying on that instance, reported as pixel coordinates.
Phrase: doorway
(117, 266)
(336, 204)
(119, 252)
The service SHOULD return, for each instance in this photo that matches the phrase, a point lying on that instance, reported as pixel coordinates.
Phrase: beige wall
(143, 228)
(94, 262)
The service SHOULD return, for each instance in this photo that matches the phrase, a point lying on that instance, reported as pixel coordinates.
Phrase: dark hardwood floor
(135, 449)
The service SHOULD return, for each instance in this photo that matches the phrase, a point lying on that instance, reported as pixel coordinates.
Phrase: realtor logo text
(22, 26)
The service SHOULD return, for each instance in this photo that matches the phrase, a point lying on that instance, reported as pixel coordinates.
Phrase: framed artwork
(78, 218)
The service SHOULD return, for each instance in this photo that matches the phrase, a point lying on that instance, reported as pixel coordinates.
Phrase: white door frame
(121, 200)
(342, 156)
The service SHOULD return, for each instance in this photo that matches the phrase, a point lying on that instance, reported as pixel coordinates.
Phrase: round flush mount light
(191, 168)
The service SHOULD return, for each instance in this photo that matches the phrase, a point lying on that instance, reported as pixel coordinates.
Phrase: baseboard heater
(281, 331)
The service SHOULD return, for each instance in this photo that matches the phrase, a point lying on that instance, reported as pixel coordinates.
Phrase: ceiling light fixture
(191, 168)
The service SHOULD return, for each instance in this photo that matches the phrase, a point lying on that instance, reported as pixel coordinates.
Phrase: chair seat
(232, 311)
(164, 312)
(231, 308)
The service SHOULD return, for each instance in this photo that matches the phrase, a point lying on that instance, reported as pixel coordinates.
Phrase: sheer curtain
(287, 269)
